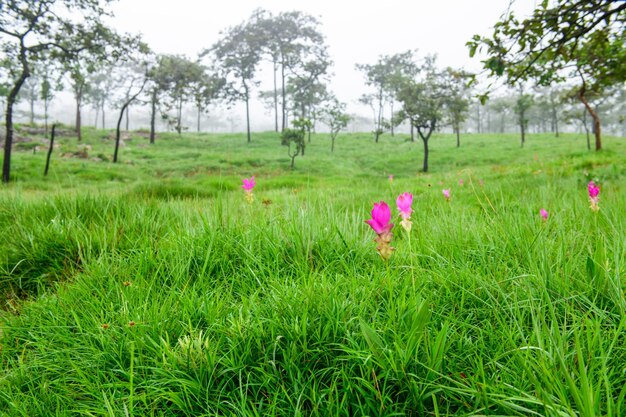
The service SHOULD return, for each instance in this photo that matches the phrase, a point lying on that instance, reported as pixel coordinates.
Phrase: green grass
(151, 288)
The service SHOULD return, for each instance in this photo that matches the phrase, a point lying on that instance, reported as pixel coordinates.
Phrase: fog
(356, 32)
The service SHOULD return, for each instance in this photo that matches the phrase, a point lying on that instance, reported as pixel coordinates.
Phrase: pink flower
(404, 202)
(461, 182)
(390, 178)
(593, 189)
(594, 198)
(544, 214)
(446, 194)
(381, 215)
(248, 184)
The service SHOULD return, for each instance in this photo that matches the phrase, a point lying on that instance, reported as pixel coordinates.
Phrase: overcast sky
(356, 31)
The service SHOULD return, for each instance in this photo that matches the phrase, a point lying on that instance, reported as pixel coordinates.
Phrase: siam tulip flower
(380, 222)
(544, 214)
(248, 186)
(594, 198)
(391, 179)
(446, 194)
(404, 202)
(461, 182)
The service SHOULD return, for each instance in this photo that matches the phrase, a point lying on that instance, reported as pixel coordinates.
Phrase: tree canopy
(562, 39)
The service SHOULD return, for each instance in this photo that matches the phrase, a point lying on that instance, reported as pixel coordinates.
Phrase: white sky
(356, 31)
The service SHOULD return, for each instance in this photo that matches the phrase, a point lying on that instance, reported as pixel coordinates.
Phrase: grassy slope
(156, 290)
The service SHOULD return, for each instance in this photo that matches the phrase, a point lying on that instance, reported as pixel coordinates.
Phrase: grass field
(152, 288)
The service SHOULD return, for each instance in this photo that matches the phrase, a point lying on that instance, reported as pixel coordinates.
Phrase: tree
(385, 77)
(307, 90)
(563, 39)
(423, 103)
(522, 104)
(238, 54)
(101, 85)
(296, 137)
(63, 28)
(135, 81)
(206, 89)
(335, 116)
(49, 86)
(290, 39)
(457, 103)
(30, 91)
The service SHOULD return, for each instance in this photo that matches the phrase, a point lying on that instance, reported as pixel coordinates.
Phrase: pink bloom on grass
(391, 178)
(381, 215)
(446, 193)
(594, 198)
(248, 183)
(544, 214)
(461, 182)
(404, 202)
(593, 189)
(380, 222)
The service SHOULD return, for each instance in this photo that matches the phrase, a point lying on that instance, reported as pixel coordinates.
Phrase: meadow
(151, 287)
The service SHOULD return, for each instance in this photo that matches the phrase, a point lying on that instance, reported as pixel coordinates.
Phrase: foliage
(423, 102)
(386, 77)
(60, 30)
(295, 137)
(296, 48)
(175, 79)
(238, 54)
(562, 39)
(335, 116)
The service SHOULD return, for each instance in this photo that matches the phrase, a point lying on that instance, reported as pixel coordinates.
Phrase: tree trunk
(458, 136)
(46, 103)
(425, 167)
(425, 141)
(32, 110)
(45, 172)
(586, 130)
(127, 118)
(95, 123)
(275, 97)
(283, 94)
(412, 133)
(522, 127)
(248, 117)
(78, 95)
(8, 140)
(102, 107)
(153, 100)
(119, 120)
(199, 114)
(391, 120)
(332, 146)
(594, 116)
(179, 116)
